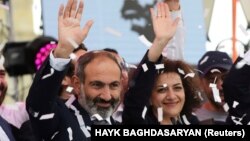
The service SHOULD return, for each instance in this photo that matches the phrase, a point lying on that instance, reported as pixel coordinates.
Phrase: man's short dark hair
(85, 59)
(111, 50)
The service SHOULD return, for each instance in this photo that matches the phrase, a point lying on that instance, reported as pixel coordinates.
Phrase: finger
(159, 10)
(79, 10)
(167, 11)
(60, 12)
(153, 16)
(73, 8)
(163, 10)
(67, 9)
(87, 27)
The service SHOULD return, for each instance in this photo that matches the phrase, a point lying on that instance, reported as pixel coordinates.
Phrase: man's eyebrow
(115, 81)
(96, 81)
(100, 82)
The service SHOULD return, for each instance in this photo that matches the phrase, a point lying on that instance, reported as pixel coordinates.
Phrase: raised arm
(42, 105)
(164, 28)
(175, 47)
(138, 95)
(69, 29)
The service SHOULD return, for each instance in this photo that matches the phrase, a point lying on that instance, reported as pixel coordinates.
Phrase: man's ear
(76, 84)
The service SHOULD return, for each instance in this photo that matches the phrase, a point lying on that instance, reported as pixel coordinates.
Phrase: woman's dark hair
(190, 84)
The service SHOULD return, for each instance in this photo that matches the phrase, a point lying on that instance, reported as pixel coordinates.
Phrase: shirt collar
(98, 117)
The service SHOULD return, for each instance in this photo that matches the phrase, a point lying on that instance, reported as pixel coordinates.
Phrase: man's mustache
(100, 100)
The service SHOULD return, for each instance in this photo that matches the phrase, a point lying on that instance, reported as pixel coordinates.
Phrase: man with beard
(5, 128)
(14, 119)
(213, 67)
(97, 84)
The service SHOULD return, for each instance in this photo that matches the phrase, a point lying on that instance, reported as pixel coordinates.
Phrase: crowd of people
(76, 88)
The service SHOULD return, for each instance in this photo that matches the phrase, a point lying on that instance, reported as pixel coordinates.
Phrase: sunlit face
(216, 77)
(100, 92)
(169, 94)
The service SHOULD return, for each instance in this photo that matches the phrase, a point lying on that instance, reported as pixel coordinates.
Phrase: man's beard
(90, 105)
(3, 90)
(104, 112)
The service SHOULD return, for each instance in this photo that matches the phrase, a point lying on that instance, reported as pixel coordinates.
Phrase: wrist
(160, 42)
(61, 51)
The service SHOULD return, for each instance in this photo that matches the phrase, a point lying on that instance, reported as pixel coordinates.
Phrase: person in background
(117, 115)
(125, 69)
(175, 48)
(5, 130)
(14, 119)
(66, 89)
(213, 67)
(16, 114)
(237, 91)
(79, 51)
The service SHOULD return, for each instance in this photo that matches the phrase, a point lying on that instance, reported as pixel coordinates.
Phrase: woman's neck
(166, 121)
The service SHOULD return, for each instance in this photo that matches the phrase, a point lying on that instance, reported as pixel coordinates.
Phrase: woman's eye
(161, 90)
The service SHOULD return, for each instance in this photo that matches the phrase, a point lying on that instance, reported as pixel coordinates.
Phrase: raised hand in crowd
(69, 29)
(174, 50)
(164, 28)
